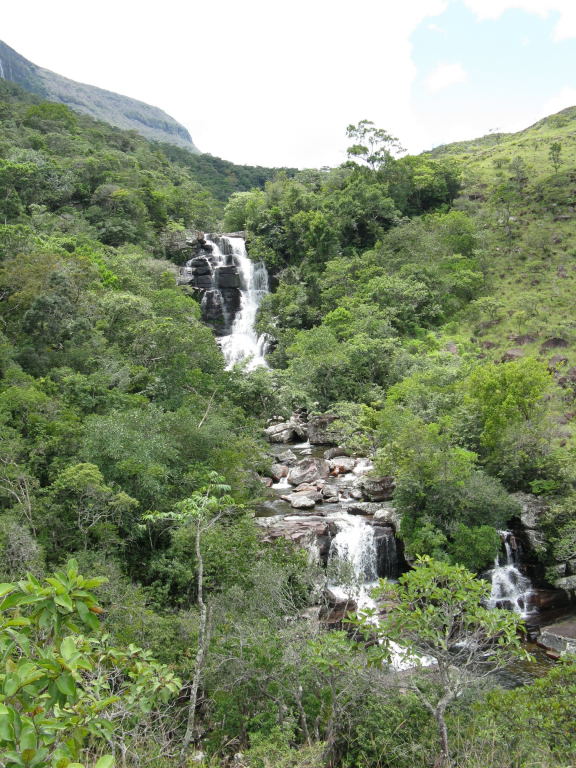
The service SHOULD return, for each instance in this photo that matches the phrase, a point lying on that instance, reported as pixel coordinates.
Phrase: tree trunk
(200, 653)
(444, 756)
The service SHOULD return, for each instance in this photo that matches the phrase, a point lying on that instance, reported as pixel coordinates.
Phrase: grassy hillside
(526, 210)
(120, 111)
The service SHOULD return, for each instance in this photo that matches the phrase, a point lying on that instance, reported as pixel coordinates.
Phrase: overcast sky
(270, 83)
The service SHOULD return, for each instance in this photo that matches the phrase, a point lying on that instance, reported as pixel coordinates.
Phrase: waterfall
(354, 549)
(243, 341)
(510, 588)
(2, 69)
(232, 288)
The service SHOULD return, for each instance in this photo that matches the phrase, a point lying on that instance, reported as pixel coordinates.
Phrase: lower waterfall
(510, 588)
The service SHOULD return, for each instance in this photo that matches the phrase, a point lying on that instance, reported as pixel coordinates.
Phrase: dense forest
(422, 302)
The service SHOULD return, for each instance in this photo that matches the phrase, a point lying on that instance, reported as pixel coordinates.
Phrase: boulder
(388, 516)
(557, 361)
(342, 464)
(331, 453)
(287, 457)
(308, 470)
(377, 488)
(299, 426)
(306, 531)
(329, 490)
(300, 501)
(280, 433)
(511, 354)
(313, 494)
(363, 508)
(278, 471)
(331, 500)
(554, 343)
(321, 432)
(560, 637)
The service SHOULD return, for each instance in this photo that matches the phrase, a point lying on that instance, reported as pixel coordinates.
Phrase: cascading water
(243, 342)
(510, 588)
(354, 549)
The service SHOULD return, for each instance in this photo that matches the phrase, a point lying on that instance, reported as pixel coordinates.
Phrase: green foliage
(62, 688)
(475, 547)
(439, 487)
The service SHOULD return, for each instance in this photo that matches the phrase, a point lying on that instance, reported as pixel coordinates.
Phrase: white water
(243, 343)
(2, 69)
(510, 588)
(354, 547)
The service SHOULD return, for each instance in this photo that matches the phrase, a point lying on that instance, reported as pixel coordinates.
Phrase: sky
(276, 83)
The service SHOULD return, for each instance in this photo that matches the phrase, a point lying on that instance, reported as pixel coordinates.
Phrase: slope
(120, 111)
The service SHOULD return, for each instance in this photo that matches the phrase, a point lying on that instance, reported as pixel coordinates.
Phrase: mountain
(120, 111)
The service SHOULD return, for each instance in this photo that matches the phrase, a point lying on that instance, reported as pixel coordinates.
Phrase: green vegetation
(128, 452)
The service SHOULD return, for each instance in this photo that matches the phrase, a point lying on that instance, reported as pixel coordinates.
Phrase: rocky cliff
(121, 111)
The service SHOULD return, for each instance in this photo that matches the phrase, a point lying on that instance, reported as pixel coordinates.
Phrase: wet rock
(377, 488)
(331, 500)
(278, 471)
(560, 636)
(299, 425)
(337, 606)
(280, 433)
(342, 464)
(332, 453)
(321, 431)
(267, 481)
(329, 490)
(287, 457)
(308, 470)
(388, 516)
(363, 508)
(227, 277)
(310, 532)
(300, 501)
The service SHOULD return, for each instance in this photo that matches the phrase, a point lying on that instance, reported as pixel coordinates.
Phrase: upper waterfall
(232, 287)
(243, 342)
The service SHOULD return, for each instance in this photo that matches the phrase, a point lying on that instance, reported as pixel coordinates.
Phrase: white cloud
(445, 75)
(565, 27)
(256, 81)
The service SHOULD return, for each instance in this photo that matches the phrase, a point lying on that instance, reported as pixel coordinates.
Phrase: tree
(373, 146)
(439, 627)
(554, 154)
(203, 509)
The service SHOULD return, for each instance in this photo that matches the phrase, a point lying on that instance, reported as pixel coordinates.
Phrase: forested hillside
(424, 302)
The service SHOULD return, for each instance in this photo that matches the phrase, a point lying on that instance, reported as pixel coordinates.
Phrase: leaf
(66, 684)
(68, 648)
(64, 601)
(5, 588)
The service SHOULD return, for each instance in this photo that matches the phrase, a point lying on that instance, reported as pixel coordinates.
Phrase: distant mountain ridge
(120, 111)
